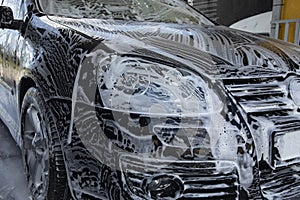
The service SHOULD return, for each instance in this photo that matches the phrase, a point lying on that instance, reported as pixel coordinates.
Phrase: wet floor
(12, 177)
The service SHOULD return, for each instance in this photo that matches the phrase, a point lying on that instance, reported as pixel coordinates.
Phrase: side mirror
(7, 18)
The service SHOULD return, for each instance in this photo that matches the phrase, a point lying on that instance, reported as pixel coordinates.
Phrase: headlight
(143, 87)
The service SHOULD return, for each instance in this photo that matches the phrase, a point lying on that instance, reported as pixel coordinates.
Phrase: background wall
(227, 12)
(290, 10)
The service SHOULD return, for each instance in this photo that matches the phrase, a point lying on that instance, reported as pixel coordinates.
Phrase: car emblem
(164, 187)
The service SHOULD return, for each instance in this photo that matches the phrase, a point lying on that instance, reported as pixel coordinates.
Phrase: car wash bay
(12, 184)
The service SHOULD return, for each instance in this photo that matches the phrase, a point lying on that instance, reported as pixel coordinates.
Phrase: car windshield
(168, 11)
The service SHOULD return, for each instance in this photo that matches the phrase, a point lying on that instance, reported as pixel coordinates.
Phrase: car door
(10, 62)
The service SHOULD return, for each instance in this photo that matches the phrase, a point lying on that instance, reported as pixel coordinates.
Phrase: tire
(41, 148)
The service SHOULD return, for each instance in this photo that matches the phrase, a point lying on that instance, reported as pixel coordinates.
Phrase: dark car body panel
(250, 75)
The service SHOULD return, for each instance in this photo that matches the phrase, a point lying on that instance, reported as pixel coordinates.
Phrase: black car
(147, 99)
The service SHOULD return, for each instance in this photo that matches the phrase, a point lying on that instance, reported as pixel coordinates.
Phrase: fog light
(164, 186)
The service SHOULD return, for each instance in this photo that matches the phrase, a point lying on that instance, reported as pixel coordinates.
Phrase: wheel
(42, 154)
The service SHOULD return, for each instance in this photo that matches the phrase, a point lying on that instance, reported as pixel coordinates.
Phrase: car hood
(216, 50)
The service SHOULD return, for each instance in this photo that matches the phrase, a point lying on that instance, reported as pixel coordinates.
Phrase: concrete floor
(12, 178)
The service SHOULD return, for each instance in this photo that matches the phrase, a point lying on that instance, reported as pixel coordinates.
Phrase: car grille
(201, 180)
(210, 186)
(269, 104)
(282, 183)
(261, 98)
(271, 101)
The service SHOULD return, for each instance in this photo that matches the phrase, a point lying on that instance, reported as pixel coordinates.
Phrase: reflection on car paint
(153, 110)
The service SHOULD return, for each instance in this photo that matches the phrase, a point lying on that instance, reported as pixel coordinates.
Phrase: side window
(15, 5)
(10, 44)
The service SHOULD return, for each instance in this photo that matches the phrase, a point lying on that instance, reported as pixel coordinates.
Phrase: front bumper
(141, 178)
(145, 178)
